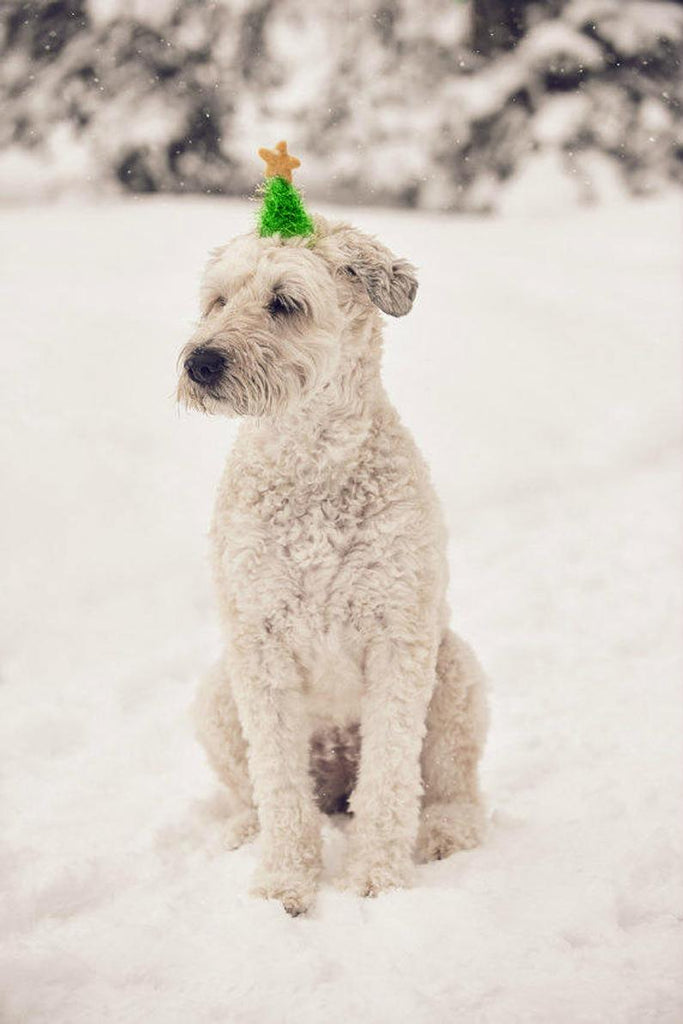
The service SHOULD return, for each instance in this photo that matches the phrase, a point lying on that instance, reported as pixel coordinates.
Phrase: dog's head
(279, 317)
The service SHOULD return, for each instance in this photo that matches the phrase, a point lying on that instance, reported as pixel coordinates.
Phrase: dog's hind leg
(452, 815)
(219, 731)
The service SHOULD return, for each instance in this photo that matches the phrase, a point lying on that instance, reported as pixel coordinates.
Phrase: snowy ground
(540, 372)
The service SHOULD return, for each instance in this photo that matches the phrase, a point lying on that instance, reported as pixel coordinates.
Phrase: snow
(628, 26)
(561, 117)
(540, 372)
(481, 96)
(556, 41)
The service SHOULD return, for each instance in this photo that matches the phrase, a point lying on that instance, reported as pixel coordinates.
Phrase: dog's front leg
(272, 712)
(399, 678)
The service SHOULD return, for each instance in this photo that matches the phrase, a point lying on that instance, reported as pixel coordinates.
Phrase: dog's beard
(193, 396)
(256, 383)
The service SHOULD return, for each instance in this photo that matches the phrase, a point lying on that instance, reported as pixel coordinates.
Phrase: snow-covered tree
(442, 104)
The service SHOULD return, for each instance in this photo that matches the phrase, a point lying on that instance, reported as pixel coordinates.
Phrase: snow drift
(540, 372)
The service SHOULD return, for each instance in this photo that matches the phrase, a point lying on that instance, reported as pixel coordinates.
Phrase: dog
(341, 687)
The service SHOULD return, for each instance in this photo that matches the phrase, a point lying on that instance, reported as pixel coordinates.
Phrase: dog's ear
(390, 283)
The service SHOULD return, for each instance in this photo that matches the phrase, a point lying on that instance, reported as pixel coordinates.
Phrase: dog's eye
(350, 271)
(218, 303)
(284, 305)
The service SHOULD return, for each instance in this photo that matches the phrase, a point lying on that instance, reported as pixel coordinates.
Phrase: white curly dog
(341, 686)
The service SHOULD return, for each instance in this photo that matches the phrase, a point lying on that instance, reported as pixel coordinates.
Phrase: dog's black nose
(205, 366)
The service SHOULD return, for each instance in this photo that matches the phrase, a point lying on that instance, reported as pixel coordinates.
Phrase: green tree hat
(282, 212)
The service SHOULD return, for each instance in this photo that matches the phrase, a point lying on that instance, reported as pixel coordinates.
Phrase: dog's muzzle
(205, 366)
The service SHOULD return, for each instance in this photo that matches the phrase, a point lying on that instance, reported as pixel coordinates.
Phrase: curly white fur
(330, 565)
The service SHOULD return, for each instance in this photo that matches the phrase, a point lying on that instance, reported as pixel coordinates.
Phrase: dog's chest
(293, 576)
(292, 564)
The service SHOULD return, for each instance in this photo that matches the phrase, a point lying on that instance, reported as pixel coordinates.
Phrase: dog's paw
(373, 879)
(241, 828)
(296, 891)
(447, 828)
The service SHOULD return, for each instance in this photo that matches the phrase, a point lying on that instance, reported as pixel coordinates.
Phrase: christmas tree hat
(283, 212)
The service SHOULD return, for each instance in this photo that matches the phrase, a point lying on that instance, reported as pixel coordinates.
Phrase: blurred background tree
(452, 106)
(497, 25)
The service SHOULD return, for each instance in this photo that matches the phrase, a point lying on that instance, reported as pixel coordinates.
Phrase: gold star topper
(279, 164)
